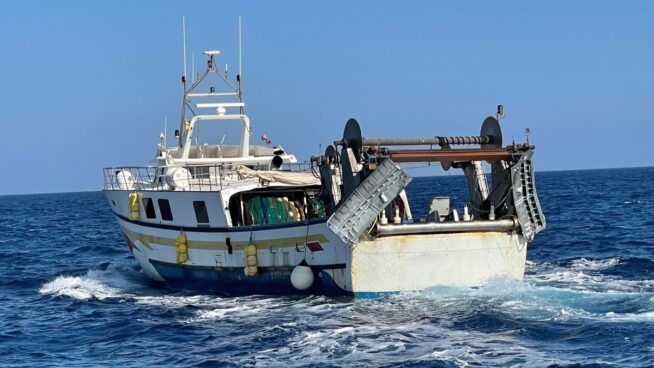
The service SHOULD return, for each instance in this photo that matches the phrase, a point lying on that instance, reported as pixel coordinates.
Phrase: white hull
(367, 268)
(417, 262)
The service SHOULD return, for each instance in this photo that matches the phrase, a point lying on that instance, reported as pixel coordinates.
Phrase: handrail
(180, 178)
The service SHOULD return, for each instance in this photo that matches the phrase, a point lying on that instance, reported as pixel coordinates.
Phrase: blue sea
(71, 295)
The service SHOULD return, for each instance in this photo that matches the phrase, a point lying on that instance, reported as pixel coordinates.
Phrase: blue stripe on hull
(232, 281)
(374, 294)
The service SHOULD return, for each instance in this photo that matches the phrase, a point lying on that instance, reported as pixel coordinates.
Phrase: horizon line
(417, 176)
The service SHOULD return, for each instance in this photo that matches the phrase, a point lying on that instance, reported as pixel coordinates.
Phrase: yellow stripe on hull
(148, 240)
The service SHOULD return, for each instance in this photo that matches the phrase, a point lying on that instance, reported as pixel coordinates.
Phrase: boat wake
(99, 284)
(491, 325)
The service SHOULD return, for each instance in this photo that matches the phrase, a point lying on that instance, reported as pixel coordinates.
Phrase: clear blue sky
(86, 84)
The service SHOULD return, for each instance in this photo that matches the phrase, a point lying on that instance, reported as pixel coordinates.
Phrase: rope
(417, 167)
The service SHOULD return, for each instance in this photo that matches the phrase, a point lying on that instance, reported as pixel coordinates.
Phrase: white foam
(629, 317)
(112, 282)
(339, 331)
(599, 264)
(413, 327)
(172, 301)
(585, 275)
(419, 325)
(555, 293)
(395, 343)
(80, 287)
(218, 313)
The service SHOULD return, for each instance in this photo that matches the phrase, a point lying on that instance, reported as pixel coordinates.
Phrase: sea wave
(441, 324)
(80, 287)
(594, 264)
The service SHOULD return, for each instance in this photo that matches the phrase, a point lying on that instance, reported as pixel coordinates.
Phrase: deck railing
(195, 178)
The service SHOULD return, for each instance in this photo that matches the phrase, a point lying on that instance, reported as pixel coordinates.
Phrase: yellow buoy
(250, 271)
(251, 262)
(293, 211)
(133, 205)
(182, 248)
(251, 250)
(300, 212)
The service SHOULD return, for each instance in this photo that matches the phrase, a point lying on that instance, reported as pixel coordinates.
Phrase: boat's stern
(416, 262)
(392, 250)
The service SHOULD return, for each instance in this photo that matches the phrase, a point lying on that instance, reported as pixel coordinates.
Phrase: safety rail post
(159, 183)
(209, 177)
(219, 179)
(152, 175)
(150, 180)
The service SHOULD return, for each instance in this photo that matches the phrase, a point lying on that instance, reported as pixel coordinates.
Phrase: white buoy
(456, 215)
(466, 214)
(491, 215)
(302, 276)
(178, 177)
(125, 180)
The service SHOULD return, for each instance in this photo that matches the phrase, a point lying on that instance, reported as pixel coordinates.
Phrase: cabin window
(149, 208)
(201, 214)
(164, 208)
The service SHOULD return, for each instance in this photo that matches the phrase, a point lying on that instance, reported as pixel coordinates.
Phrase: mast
(219, 105)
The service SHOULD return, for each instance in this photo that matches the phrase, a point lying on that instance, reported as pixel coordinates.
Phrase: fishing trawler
(250, 218)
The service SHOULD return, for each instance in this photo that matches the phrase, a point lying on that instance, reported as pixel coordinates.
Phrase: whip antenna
(240, 64)
(240, 72)
(184, 47)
